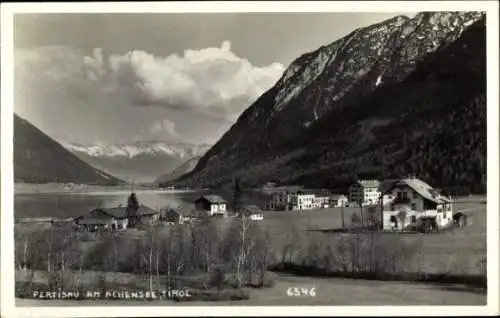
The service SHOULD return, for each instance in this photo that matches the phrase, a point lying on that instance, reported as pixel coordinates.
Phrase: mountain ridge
(184, 168)
(370, 62)
(40, 159)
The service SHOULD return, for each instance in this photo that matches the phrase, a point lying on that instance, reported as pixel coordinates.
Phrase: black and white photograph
(195, 160)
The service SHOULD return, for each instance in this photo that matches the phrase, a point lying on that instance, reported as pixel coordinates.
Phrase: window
(413, 206)
(393, 219)
(399, 194)
(405, 195)
(413, 219)
(415, 195)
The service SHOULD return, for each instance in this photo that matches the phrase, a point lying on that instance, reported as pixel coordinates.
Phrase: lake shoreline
(75, 189)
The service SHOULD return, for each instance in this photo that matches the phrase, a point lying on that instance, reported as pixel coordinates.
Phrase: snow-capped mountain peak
(139, 148)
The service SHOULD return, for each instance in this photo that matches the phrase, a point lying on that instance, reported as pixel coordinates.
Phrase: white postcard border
(7, 247)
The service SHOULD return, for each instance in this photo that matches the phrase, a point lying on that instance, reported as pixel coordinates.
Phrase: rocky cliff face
(331, 103)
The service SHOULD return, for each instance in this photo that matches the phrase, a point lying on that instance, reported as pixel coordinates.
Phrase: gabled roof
(215, 199)
(387, 184)
(145, 210)
(119, 212)
(116, 212)
(338, 196)
(253, 209)
(368, 183)
(422, 188)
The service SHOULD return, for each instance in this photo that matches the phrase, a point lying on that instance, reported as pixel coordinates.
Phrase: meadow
(457, 251)
(297, 253)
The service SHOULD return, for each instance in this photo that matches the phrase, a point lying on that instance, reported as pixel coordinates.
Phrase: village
(407, 204)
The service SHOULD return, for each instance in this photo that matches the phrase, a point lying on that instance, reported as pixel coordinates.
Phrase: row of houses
(403, 203)
(116, 218)
(298, 198)
(121, 218)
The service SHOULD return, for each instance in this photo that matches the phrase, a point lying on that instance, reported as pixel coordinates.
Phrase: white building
(253, 212)
(338, 200)
(365, 192)
(321, 199)
(212, 204)
(304, 200)
(282, 198)
(414, 202)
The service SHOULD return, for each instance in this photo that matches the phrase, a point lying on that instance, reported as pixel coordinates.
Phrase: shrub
(217, 278)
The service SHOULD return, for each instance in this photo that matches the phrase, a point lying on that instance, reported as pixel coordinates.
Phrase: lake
(76, 204)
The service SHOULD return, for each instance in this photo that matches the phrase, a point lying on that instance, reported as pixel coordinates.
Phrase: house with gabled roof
(211, 204)
(414, 201)
(253, 212)
(179, 215)
(115, 218)
(103, 219)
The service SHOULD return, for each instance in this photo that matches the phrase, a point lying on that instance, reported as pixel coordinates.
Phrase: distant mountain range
(40, 159)
(139, 162)
(404, 96)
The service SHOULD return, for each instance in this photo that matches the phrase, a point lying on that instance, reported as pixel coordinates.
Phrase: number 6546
(301, 291)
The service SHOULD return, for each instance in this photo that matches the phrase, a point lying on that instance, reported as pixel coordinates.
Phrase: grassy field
(458, 251)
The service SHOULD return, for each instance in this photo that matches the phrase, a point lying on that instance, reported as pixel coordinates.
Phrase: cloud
(164, 125)
(68, 93)
(212, 80)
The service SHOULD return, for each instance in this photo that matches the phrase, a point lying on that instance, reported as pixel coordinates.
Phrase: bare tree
(157, 256)
(169, 257)
(242, 251)
(50, 243)
(150, 260)
(263, 257)
(23, 249)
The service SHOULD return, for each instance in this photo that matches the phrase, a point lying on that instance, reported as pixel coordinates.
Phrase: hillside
(141, 161)
(383, 102)
(40, 159)
(178, 172)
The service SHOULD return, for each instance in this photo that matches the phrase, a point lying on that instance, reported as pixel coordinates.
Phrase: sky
(181, 77)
